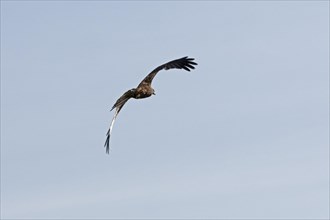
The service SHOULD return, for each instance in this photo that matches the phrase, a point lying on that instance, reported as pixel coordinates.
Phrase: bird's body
(144, 89)
(144, 92)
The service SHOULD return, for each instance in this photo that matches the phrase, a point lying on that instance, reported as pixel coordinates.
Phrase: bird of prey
(144, 89)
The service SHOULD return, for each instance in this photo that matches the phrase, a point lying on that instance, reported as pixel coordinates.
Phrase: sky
(244, 135)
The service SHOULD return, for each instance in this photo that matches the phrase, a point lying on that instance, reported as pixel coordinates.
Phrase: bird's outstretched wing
(117, 106)
(182, 63)
(123, 99)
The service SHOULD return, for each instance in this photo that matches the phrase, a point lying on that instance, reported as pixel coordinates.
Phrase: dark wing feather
(182, 63)
(123, 99)
(118, 105)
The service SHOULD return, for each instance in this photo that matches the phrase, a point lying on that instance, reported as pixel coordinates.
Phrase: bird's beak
(154, 93)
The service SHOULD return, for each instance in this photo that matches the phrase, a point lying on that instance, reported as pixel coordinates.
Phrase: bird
(144, 89)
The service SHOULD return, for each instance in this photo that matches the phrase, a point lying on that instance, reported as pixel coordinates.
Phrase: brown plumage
(144, 89)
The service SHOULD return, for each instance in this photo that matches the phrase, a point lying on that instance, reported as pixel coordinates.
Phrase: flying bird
(144, 89)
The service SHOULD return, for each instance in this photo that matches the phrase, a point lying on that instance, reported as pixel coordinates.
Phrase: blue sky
(245, 135)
